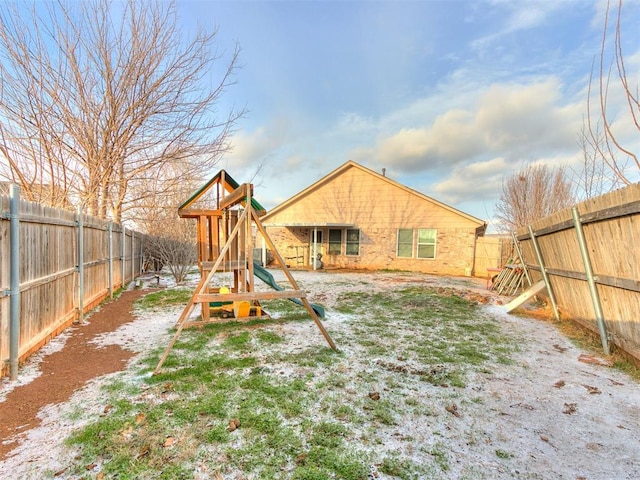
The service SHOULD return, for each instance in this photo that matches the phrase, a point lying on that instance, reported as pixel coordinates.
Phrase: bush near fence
(55, 288)
(611, 226)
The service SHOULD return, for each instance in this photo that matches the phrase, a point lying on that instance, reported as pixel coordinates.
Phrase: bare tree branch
(97, 102)
(608, 145)
(531, 194)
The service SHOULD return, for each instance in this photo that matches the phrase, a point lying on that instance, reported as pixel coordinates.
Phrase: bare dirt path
(67, 370)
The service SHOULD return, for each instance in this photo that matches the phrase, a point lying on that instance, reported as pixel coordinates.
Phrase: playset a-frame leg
(202, 295)
(283, 265)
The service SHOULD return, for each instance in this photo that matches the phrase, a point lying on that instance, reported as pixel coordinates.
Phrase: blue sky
(449, 96)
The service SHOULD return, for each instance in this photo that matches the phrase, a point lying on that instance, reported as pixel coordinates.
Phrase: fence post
(543, 271)
(80, 265)
(110, 248)
(141, 256)
(123, 252)
(593, 289)
(14, 301)
(133, 257)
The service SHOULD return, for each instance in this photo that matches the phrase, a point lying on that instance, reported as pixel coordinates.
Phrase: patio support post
(315, 247)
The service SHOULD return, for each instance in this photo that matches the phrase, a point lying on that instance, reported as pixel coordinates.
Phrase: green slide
(267, 278)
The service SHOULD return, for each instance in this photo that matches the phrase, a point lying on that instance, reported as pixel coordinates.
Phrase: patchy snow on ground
(43, 451)
(553, 413)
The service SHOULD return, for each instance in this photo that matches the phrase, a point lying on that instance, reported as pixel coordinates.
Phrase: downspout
(14, 301)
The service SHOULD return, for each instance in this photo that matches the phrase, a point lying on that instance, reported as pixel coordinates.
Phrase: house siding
(378, 208)
(454, 251)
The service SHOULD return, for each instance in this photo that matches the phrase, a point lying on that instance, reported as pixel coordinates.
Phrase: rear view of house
(355, 218)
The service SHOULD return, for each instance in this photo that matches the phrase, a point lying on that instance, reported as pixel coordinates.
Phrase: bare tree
(607, 143)
(593, 177)
(171, 240)
(100, 99)
(531, 194)
(174, 248)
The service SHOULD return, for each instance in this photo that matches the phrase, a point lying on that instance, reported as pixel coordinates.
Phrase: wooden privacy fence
(43, 278)
(492, 252)
(589, 256)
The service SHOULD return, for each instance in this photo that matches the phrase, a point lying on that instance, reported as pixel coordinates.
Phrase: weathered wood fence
(48, 283)
(590, 256)
(492, 252)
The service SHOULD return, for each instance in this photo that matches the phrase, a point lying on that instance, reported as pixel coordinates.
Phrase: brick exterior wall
(378, 207)
(454, 251)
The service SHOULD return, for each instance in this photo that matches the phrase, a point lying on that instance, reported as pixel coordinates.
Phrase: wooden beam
(292, 281)
(237, 196)
(225, 266)
(617, 211)
(199, 212)
(524, 296)
(248, 296)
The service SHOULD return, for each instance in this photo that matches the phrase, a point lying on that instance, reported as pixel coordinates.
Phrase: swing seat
(217, 305)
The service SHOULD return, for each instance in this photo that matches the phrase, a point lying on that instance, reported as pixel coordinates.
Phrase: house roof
(313, 225)
(351, 164)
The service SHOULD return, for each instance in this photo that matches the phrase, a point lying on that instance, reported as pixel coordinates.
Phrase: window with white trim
(426, 243)
(335, 241)
(424, 246)
(353, 241)
(405, 243)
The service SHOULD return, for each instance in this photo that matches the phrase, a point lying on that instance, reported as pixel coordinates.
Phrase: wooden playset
(225, 250)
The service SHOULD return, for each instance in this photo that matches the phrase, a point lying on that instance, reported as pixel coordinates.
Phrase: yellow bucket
(241, 309)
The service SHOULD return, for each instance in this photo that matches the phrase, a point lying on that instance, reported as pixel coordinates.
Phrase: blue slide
(267, 278)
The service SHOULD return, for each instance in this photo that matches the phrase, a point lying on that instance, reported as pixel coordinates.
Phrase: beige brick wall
(378, 208)
(454, 251)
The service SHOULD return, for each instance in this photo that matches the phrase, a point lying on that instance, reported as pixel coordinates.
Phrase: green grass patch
(165, 298)
(302, 411)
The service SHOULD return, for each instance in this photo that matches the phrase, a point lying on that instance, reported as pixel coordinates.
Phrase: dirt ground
(563, 412)
(66, 370)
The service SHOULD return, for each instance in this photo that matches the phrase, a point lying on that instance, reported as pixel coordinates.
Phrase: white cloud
(250, 148)
(479, 180)
(518, 121)
(518, 16)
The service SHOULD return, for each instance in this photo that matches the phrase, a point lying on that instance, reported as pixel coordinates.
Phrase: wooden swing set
(231, 223)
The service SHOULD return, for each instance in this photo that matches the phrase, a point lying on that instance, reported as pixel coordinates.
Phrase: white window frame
(330, 243)
(348, 243)
(404, 243)
(431, 243)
